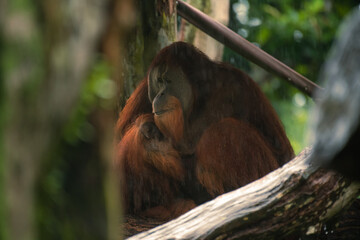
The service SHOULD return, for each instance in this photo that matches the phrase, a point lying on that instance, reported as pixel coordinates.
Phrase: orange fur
(137, 104)
(232, 154)
(230, 137)
(151, 168)
(171, 123)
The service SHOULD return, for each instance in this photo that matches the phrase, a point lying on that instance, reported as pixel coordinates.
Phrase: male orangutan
(192, 130)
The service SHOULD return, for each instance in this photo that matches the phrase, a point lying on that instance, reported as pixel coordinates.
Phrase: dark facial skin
(165, 82)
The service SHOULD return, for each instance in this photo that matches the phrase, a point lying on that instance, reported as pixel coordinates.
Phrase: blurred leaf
(97, 91)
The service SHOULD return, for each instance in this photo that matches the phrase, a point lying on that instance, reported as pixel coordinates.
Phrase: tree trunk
(46, 50)
(154, 30)
(336, 118)
(219, 11)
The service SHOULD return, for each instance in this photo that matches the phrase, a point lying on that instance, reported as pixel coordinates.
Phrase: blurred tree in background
(217, 10)
(72, 198)
(47, 49)
(62, 71)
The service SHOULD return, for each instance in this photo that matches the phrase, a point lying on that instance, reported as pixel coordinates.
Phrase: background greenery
(298, 33)
(70, 204)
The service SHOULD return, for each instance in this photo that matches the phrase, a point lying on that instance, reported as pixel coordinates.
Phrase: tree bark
(153, 31)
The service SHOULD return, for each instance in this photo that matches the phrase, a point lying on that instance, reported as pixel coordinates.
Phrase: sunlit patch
(339, 90)
(298, 35)
(243, 32)
(254, 22)
(241, 9)
(299, 100)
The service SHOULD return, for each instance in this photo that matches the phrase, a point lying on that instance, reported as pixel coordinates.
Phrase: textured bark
(153, 31)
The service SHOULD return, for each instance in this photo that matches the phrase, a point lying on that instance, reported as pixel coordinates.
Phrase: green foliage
(21, 58)
(70, 200)
(298, 33)
(2, 160)
(98, 89)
